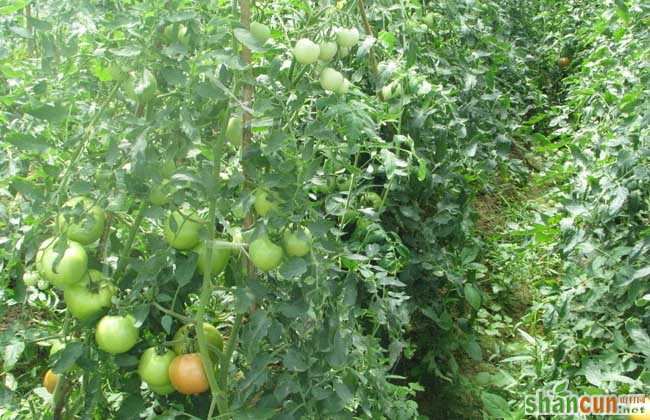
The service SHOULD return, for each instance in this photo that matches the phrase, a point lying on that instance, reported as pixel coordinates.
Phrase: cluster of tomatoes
(307, 52)
(62, 260)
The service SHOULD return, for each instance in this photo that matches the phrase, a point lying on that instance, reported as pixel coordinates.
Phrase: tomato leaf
(11, 353)
(295, 361)
(473, 296)
(248, 40)
(68, 356)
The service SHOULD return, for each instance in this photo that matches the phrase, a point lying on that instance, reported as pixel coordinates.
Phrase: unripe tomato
(347, 38)
(264, 254)
(187, 374)
(220, 257)
(116, 334)
(84, 302)
(50, 380)
(72, 262)
(305, 51)
(343, 89)
(168, 168)
(328, 50)
(262, 203)
(182, 35)
(169, 33)
(159, 194)
(373, 199)
(428, 20)
(141, 88)
(564, 61)
(331, 79)
(344, 52)
(298, 243)
(162, 390)
(30, 278)
(182, 230)
(153, 367)
(234, 130)
(81, 220)
(185, 339)
(260, 32)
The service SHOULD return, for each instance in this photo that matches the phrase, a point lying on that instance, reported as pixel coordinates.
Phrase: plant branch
(218, 398)
(129, 242)
(372, 62)
(170, 312)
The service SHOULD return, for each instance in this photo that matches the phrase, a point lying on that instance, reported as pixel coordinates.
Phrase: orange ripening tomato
(50, 380)
(187, 375)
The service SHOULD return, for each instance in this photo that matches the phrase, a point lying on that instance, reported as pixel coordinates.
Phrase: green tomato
(234, 131)
(262, 203)
(81, 220)
(344, 52)
(428, 20)
(30, 278)
(347, 38)
(184, 340)
(264, 254)
(343, 89)
(220, 257)
(260, 32)
(328, 50)
(153, 368)
(305, 51)
(297, 244)
(162, 390)
(169, 33)
(85, 302)
(72, 262)
(331, 79)
(373, 199)
(159, 194)
(116, 334)
(168, 168)
(142, 88)
(182, 35)
(183, 232)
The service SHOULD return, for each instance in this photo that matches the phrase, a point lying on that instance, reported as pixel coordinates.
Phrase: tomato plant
(313, 183)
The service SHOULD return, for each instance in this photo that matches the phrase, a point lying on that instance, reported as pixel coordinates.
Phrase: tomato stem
(129, 243)
(218, 398)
